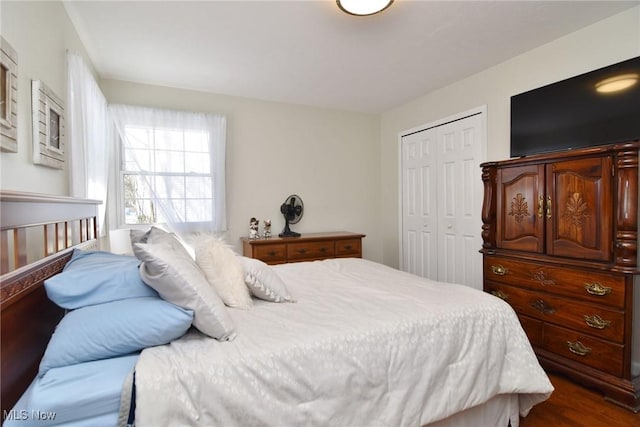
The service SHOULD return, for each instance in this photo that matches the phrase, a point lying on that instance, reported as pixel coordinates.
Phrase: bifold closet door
(419, 203)
(442, 202)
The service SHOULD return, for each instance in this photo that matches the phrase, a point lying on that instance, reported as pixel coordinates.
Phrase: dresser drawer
(350, 247)
(270, 253)
(589, 286)
(598, 321)
(533, 329)
(598, 354)
(310, 250)
(308, 247)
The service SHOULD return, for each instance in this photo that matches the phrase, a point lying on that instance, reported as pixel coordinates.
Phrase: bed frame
(37, 235)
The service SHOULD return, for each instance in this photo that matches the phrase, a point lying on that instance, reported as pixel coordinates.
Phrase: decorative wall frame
(8, 97)
(48, 126)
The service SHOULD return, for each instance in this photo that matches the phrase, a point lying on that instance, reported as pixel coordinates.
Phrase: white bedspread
(364, 345)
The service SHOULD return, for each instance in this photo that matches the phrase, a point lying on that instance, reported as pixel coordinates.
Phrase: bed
(351, 342)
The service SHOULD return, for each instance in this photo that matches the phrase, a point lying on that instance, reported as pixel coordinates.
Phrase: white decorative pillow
(223, 271)
(263, 282)
(158, 235)
(169, 269)
(138, 236)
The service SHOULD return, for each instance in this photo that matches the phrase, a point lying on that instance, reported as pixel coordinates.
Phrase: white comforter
(363, 345)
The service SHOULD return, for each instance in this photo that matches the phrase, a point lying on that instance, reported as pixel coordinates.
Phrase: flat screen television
(572, 114)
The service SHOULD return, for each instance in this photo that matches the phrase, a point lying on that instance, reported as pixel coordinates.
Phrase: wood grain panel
(581, 192)
(602, 355)
(308, 247)
(572, 405)
(28, 320)
(519, 194)
(271, 253)
(310, 250)
(533, 329)
(569, 282)
(349, 247)
(592, 319)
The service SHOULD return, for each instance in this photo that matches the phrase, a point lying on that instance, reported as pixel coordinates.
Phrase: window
(170, 168)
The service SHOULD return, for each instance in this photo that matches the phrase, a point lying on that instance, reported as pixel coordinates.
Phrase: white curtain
(177, 160)
(87, 132)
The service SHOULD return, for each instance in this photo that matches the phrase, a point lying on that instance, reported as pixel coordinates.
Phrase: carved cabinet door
(520, 208)
(579, 204)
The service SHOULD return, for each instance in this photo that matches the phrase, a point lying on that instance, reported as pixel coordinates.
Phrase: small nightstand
(308, 247)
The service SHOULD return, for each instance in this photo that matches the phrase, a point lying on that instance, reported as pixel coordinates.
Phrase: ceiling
(309, 52)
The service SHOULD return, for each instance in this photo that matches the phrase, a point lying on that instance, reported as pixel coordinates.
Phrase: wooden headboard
(37, 234)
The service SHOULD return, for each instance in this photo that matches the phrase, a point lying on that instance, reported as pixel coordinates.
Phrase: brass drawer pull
(578, 348)
(549, 207)
(498, 293)
(302, 251)
(540, 206)
(596, 288)
(596, 322)
(543, 307)
(272, 253)
(499, 270)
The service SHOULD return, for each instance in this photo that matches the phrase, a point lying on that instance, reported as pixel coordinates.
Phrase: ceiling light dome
(616, 83)
(363, 7)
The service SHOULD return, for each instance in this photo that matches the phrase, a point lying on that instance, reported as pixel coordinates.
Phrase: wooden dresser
(560, 245)
(308, 247)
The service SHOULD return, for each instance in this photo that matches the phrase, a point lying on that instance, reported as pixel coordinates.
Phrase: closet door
(419, 219)
(442, 202)
(459, 193)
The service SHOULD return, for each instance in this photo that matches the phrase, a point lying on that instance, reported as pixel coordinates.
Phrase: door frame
(481, 110)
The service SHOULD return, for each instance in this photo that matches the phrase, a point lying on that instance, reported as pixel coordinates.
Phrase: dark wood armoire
(560, 235)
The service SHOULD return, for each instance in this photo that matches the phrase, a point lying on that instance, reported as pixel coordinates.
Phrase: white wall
(604, 43)
(40, 32)
(329, 158)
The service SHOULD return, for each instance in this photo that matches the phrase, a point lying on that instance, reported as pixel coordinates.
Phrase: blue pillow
(86, 394)
(114, 329)
(95, 277)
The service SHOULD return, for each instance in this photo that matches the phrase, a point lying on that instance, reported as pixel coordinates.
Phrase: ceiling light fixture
(363, 7)
(616, 83)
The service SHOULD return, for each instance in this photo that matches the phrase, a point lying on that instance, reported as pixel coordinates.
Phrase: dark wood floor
(571, 405)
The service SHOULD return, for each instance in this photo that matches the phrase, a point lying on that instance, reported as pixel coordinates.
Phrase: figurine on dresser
(267, 229)
(253, 228)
